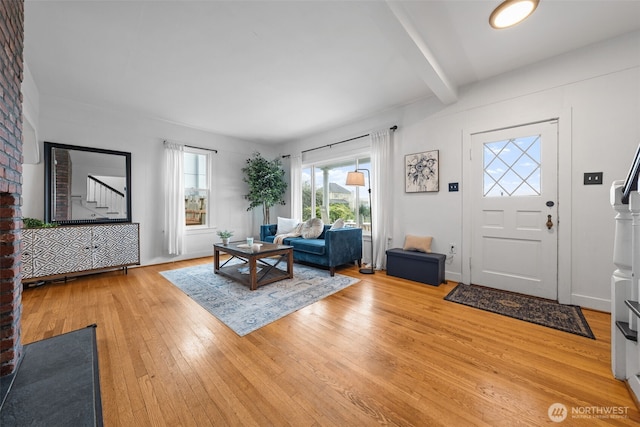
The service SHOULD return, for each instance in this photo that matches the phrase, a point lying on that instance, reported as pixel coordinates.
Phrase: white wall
(32, 148)
(596, 94)
(67, 122)
(595, 91)
(30, 118)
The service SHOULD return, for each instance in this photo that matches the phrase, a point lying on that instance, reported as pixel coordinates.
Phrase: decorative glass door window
(512, 167)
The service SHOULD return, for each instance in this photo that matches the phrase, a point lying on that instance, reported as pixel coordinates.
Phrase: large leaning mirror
(86, 185)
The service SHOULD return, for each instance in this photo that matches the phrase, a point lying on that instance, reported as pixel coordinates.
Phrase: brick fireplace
(11, 74)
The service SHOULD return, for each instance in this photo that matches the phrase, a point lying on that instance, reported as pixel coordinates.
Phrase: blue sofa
(331, 249)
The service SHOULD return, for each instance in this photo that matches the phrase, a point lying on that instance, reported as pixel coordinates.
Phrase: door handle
(549, 222)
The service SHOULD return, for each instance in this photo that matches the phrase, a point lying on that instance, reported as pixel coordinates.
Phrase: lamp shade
(355, 178)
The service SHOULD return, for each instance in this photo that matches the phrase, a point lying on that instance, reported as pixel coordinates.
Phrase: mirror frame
(48, 183)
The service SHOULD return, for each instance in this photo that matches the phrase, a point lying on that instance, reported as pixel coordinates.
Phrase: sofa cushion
(339, 223)
(288, 240)
(312, 246)
(268, 239)
(286, 225)
(312, 228)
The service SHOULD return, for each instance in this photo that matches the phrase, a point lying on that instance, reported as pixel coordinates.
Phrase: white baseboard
(634, 386)
(453, 276)
(584, 301)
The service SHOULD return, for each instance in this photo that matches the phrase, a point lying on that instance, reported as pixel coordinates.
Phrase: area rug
(245, 311)
(567, 318)
(57, 383)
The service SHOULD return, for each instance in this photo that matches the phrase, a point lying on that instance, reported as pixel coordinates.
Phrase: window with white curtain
(197, 177)
(325, 194)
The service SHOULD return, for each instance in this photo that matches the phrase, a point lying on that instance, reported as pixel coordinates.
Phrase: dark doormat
(567, 318)
(56, 384)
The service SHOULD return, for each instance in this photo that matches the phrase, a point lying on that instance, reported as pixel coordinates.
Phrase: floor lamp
(357, 179)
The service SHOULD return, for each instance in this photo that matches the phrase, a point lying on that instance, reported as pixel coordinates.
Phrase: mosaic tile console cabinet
(65, 251)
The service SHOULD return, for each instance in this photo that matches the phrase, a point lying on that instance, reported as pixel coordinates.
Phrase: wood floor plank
(385, 351)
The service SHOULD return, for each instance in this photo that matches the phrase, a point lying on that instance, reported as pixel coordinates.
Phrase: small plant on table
(225, 235)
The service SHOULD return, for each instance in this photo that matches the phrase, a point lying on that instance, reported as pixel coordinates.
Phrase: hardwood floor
(384, 351)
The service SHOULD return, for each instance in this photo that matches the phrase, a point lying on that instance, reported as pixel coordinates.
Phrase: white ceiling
(273, 71)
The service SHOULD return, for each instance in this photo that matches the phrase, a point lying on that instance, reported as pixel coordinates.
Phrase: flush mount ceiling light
(512, 12)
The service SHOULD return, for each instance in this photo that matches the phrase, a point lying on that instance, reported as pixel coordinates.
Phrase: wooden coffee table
(258, 267)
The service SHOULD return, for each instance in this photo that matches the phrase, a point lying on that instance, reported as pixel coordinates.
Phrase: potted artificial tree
(266, 183)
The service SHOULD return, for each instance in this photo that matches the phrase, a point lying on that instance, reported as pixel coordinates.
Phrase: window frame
(357, 159)
(208, 223)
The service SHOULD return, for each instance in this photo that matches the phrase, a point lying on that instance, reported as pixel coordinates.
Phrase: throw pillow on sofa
(312, 228)
(286, 225)
(339, 223)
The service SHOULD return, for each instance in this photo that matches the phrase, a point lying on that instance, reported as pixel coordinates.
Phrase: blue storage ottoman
(417, 266)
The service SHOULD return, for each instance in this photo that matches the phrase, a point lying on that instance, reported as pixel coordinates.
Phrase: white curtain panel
(381, 195)
(296, 185)
(174, 220)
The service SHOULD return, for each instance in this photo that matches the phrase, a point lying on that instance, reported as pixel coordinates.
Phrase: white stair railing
(625, 286)
(105, 196)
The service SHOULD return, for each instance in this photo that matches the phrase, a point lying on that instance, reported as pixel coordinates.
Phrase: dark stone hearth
(56, 383)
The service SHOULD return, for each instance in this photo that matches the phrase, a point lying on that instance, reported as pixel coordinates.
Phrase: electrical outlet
(452, 248)
(593, 178)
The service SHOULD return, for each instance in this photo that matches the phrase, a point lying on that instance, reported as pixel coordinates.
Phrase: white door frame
(511, 247)
(564, 193)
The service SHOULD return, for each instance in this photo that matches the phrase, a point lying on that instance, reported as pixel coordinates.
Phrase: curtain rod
(193, 146)
(392, 128)
(200, 148)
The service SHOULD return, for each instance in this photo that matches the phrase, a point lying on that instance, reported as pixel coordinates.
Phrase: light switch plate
(453, 186)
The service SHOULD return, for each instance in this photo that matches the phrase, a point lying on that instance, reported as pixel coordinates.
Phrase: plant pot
(225, 241)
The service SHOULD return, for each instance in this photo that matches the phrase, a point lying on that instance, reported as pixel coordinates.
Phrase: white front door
(514, 209)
